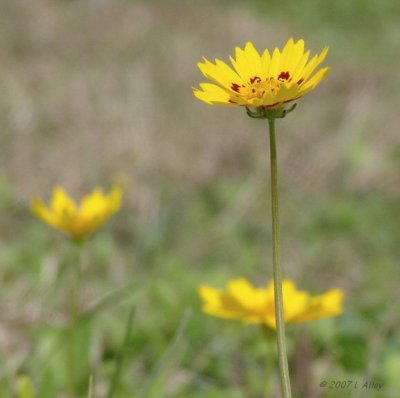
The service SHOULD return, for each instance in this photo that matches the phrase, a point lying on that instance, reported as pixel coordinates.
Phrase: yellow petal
(41, 211)
(246, 295)
(314, 81)
(93, 204)
(286, 55)
(115, 199)
(323, 306)
(253, 61)
(287, 93)
(221, 73)
(299, 68)
(274, 67)
(295, 56)
(267, 100)
(210, 295)
(265, 62)
(62, 204)
(221, 304)
(212, 94)
(294, 302)
(314, 63)
(241, 65)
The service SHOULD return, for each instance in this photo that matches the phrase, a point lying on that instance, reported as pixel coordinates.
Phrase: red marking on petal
(232, 101)
(300, 81)
(284, 76)
(235, 87)
(255, 79)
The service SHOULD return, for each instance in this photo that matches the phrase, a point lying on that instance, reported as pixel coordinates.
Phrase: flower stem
(74, 318)
(277, 267)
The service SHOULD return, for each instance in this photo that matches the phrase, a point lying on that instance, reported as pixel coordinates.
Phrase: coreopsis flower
(80, 221)
(242, 301)
(263, 83)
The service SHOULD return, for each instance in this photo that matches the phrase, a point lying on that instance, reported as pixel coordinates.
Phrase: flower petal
(295, 56)
(265, 63)
(311, 83)
(220, 304)
(253, 60)
(210, 295)
(314, 63)
(299, 68)
(287, 93)
(220, 73)
(212, 94)
(62, 204)
(287, 54)
(275, 65)
(323, 306)
(246, 295)
(40, 210)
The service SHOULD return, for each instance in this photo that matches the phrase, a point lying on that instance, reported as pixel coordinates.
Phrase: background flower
(243, 301)
(79, 221)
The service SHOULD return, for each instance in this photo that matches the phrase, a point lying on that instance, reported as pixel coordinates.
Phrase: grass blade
(167, 355)
(120, 357)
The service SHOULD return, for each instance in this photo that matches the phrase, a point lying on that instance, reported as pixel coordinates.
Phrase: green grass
(94, 94)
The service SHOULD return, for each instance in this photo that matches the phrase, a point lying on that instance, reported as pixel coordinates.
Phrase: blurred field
(99, 92)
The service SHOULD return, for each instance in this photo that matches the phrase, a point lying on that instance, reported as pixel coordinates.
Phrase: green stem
(74, 318)
(277, 267)
(120, 356)
(90, 388)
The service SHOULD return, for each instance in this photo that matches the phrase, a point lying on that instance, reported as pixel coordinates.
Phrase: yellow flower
(262, 81)
(244, 302)
(79, 221)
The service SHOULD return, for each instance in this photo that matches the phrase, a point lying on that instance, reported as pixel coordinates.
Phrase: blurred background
(100, 93)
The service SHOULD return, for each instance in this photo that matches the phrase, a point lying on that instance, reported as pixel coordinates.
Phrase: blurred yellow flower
(242, 301)
(79, 221)
(261, 81)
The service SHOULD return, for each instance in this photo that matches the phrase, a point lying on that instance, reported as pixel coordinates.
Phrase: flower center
(256, 88)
